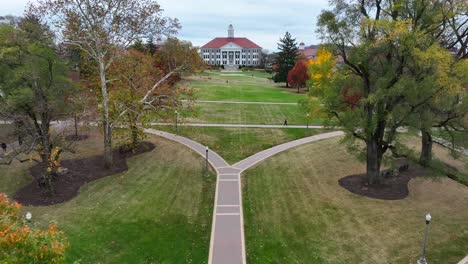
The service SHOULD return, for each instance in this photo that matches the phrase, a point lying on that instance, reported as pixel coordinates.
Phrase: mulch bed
(392, 188)
(80, 172)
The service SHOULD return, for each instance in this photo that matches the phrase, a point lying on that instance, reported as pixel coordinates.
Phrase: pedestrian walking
(4, 146)
(285, 122)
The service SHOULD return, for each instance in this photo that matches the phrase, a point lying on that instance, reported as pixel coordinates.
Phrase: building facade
(308, 52)
(231, 51)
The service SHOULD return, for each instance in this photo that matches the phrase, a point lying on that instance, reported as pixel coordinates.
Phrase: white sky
(262, 21)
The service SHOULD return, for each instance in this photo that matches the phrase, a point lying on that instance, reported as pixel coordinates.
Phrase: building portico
(231, 51)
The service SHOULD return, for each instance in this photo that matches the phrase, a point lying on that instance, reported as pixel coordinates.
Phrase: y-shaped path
(227, 245)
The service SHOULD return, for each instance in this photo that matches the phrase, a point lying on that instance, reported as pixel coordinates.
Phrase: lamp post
(28, 217)
(176, 119)
(206, 160)
(307, 126)
(422, 259)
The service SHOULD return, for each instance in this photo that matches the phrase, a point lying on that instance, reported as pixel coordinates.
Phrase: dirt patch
(392, 188)
(79, 172)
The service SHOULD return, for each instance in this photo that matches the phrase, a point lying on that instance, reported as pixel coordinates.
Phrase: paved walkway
(227, 244)
(464, 260)
(242, 102)
(236, 125)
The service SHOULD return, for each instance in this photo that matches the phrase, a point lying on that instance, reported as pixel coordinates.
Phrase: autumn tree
(134, 94)
(21, 243)
(34, 87)
(379, 49)
(447, 23)
(102, 29)
(133, 73)
(298, 76)
(287, 57)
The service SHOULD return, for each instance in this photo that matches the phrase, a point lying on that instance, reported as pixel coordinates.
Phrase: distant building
(231, 51)
(308, 52)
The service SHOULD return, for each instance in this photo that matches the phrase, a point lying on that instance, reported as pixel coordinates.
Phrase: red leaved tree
(297, 76)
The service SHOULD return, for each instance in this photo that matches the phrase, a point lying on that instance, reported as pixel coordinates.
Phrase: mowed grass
(295, 212)
(251, 114)
(235, 144)
(440, 155)
(239, 87)
(159, 211)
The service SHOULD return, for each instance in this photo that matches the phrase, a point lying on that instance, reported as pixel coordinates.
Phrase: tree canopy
(286, 59)
(381, 50)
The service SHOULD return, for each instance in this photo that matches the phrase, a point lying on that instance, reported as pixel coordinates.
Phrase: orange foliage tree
(20, 243)
(297, 76)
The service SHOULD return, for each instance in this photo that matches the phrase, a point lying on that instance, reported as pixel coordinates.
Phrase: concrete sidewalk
(464, 260)
(227, 244)
(236, 125)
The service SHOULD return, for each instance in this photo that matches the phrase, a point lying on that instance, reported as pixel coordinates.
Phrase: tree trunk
(134, 131)
(374, 159)
(107, 126)
(75, 117)
(426, 147)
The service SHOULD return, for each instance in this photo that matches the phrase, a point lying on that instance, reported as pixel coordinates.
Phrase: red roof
(242, 42)
(308, 53)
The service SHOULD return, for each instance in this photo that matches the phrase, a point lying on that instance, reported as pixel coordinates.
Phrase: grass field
(158, 211)
(295, 212)
(232, 87)
(235, 144)
(440, 155)
(250, 114)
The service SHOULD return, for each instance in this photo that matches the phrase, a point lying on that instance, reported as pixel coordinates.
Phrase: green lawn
(295, 212)
(250, 114)
(239, 87)
(158, 211)
(441, 156)
(235, 144)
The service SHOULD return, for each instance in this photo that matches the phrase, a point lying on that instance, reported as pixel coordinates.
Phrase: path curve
(227, 243)
(262, 155)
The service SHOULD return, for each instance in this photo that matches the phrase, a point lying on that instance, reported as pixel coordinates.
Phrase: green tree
(138, 45)
(102, 29)
(287, 57)
(150, 46)
(379, 48)
(34, 87)
(447, 23)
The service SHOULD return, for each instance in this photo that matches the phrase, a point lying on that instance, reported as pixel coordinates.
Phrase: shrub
(20, 243)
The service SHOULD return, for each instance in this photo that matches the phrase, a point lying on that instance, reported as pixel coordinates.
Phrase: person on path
(285, 122)
(4, 146)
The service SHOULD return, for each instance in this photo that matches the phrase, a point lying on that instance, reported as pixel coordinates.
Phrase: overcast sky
(262, 21)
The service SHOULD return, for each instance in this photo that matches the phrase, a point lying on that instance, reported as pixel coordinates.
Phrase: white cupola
(231, 31)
